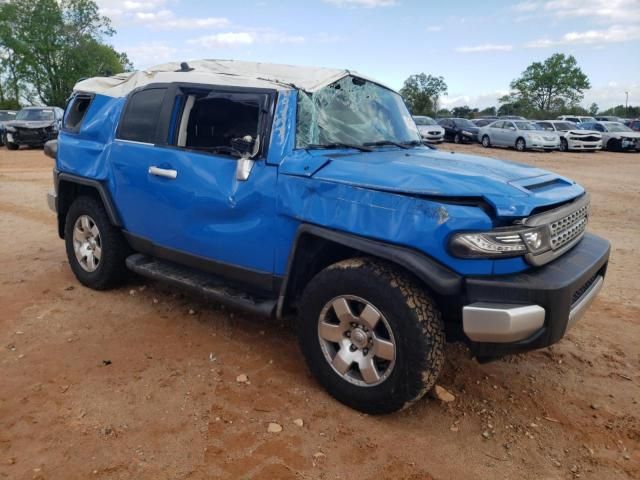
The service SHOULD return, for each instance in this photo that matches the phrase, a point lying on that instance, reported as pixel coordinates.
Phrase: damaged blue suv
(304, 191)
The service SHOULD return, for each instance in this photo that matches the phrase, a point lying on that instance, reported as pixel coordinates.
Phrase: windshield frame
(406, 120)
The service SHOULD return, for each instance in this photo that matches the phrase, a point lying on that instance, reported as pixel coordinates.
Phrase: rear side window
(140, 118)
(76, 112)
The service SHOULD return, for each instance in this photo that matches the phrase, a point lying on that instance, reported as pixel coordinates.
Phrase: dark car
(634, 125)
(481, 122)
(33, 126)
(5, 116)
(459, 130)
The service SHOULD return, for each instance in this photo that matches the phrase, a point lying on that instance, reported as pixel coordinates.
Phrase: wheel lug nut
(353, 348)
(348, 334)
(365, 351)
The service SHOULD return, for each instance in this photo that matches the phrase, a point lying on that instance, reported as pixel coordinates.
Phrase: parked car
(519, 134)
(576, 119)
(481, 122)
(511, 117)
(571, 137)
(634, 125)
(5, 116)
(252, 184)
(33, 126)
(430, 131)
(616, 136)
(608, 118)
(459, 130)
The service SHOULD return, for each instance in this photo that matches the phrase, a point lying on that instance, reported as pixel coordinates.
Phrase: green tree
(593, 109)
(421, 93)
(488, 112)
(549, 85)
(462, 112)
(54, 43)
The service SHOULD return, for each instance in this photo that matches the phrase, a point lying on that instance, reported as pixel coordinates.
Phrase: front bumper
(544, 144)
(581, 145)
(534, 309)
(31, 137)
(433, 138)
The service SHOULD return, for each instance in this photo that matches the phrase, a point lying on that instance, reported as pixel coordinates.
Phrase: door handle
(163, 172)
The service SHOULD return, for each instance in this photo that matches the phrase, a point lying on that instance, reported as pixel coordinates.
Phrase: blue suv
(307, 192)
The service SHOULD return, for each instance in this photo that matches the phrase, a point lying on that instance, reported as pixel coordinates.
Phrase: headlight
(9, 128)
(465, 132)
(537, 138)
(501, 243)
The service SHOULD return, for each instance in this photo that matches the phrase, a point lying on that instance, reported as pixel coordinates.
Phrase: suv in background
(459, 130)
(307, 192)
(33, 127)
(5, 116)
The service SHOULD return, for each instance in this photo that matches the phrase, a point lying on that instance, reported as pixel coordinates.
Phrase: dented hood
(513, 189)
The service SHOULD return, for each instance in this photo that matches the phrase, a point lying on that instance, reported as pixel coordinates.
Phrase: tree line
(46, 46)
(544, 90)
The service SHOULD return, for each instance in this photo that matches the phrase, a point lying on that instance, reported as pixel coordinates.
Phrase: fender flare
(439, 278)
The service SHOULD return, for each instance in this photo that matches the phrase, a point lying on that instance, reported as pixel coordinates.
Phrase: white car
(519, 134)
(576, 118)
(429, 130)
(572, 137)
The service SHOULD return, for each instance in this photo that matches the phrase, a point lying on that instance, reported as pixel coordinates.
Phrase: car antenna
(184, 67)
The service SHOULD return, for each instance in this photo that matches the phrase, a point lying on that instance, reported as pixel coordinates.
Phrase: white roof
(219, 72)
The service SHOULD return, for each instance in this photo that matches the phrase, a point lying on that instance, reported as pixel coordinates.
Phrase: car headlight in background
(501, 243)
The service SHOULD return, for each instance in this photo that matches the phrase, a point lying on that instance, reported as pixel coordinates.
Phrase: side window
(76, 111)
(498, 124)
(220, 122)
(599, 127)
(546, 126)
(140, 118)
(509, 125)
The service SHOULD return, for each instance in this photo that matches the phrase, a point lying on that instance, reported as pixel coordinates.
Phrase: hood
(430, 128)
(30, 123)
(583, 133)
(513, 189)
(625, 134)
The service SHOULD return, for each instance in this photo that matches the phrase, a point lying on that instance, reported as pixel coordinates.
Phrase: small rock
(11, 461)
(242, 378)
(106, 362)
(19, 332)
(212, 357)
(453, 428)
(557, 463)
(318, 455)
(626, 456)
(69, 288)
(574, 469)
(299, 422)
(21, 355)
(486, 434)
(274, 427)
(442, 394)
(155, 300)
(595, 406)
(192, 311)
(132, 292)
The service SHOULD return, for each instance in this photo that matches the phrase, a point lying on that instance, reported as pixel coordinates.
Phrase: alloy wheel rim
(356, 340)
(87, 244)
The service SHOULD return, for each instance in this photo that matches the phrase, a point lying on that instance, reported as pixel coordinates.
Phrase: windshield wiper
(382, 143)
(362, 148)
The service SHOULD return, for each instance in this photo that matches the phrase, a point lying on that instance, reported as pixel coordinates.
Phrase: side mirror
(249, 148)
(513, 129)
(51, 149)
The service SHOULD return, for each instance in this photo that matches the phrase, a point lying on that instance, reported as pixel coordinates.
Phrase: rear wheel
(614, 145)
(457, 138)
(521, 145)
(96, 250)
(486, 142)
(370, 335)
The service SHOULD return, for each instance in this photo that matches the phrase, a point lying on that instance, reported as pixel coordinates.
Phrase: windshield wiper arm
(362, 148)
(382, 143)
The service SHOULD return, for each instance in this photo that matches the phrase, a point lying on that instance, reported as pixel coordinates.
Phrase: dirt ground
(140, 382)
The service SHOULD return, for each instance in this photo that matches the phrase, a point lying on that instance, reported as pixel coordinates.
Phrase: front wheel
(457, 138)
(370, 335)
(564, 145)
(96, 249)
(486, 143)
(12, 146)
(521, 145)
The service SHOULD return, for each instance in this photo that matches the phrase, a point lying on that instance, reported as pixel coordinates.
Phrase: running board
(211, 286)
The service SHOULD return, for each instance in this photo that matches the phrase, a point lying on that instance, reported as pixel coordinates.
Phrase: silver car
(572, 137)
(616, 136)
(520, 134)
(430, 131)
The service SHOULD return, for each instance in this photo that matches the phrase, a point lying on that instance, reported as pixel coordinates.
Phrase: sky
(477, 46)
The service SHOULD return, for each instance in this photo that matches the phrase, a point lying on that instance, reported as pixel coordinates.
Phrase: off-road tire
(486, 141)
(111, 271)
(521, 144)
(12, 146)
(414, 319)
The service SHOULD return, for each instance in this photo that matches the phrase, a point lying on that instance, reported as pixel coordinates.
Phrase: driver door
(195, 209)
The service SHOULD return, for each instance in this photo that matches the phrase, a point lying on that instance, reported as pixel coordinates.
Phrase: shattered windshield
(353, 111)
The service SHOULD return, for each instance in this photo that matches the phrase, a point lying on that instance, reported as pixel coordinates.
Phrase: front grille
(587, 138)
(567, 228)
(30, 133)
(577, 295)
(434, 133)
(549, 139)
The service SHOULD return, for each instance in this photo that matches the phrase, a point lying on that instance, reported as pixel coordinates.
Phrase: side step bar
(206, 284)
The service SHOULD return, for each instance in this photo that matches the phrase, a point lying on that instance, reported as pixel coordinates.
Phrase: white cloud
(238, 39)
(146, 54)
(483, 100)
(363, 3)
(601, 11)
(613, 34)
(487, 47)
(434, 28)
